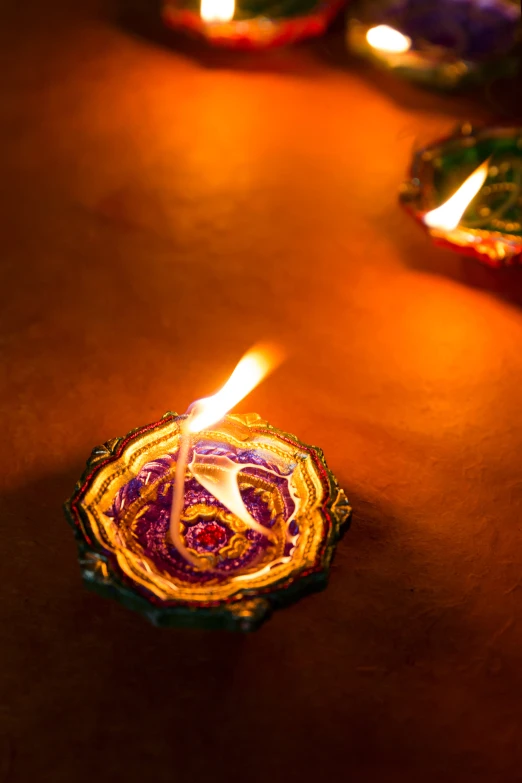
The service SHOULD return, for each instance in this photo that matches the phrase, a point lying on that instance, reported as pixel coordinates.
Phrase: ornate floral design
(120, 512)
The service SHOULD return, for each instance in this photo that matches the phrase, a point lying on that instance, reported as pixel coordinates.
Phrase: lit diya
(442, 43)
(251, 24)
(466, 192)
(207, 519)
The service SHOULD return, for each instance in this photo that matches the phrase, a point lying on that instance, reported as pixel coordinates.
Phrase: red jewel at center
(211, 536)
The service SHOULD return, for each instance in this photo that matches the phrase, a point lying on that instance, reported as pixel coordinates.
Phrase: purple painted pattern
(131, 491)
(209, 536)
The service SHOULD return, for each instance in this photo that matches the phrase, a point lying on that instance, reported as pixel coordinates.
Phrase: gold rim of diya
(114, 563)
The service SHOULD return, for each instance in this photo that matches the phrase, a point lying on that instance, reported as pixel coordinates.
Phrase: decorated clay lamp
(208, 519)
(442, 43)
(466, 192)
(251, 24)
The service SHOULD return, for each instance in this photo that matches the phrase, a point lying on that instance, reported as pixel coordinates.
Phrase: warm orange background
(160, 213)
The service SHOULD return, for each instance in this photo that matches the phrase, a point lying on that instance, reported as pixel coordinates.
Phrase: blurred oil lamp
(208, 519)
(466, 192)
(251, 24)
(442, 43)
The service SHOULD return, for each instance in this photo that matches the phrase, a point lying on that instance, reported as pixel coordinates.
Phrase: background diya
(250, 24)
(466, 191)
(442, 43)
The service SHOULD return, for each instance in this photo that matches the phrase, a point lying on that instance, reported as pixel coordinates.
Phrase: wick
(178, 496)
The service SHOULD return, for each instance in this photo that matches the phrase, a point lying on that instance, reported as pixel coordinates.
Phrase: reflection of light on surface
(251, 369)
(217, 10)
(447, 217)
(443, 347)
(386, 39)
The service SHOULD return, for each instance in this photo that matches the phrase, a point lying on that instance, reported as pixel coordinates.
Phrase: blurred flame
(217, 10)
(447, 217)
(386, 39)
(251, 369)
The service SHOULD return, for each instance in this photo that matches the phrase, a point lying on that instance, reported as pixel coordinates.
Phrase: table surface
(163, 209)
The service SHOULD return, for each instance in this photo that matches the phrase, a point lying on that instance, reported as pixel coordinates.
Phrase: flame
(386, 39)
(447, 217)
(251, 369)
(217, 10)
(219, 475)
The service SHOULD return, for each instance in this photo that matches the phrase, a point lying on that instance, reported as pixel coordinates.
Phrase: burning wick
(387, 39)
(217, 10)
(448, 216)
(249, 372)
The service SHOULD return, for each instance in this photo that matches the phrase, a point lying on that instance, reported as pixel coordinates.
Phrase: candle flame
(218, 474)
(249, 372)
(448, 216)
(387, 39)
(217, 10)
